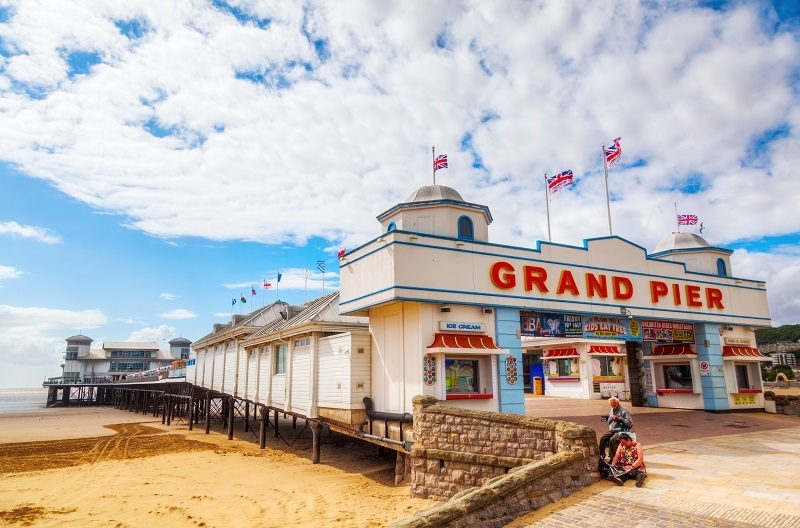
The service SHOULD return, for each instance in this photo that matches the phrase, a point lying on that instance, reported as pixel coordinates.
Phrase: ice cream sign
(450, 326)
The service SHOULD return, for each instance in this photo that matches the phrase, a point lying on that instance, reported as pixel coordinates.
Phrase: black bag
(604, 468)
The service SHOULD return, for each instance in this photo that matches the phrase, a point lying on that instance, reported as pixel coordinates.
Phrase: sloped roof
(322, 309)
(79, 337)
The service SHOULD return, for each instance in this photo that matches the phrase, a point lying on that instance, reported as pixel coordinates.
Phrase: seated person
(630, 459)
(619, 420)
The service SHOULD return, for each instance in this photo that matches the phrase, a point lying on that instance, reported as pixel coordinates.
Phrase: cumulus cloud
(162, 335)
(37, 233)
(280, 122)
(168, 296)
(35, 337)
(8, 272)
(178, 313)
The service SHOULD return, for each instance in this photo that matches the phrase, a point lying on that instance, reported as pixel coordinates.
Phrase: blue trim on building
(512, 397)
(709, 348)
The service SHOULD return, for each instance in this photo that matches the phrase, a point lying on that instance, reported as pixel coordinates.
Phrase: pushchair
(616, 474)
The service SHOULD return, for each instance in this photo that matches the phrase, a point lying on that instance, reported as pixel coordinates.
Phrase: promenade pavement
(704, 469)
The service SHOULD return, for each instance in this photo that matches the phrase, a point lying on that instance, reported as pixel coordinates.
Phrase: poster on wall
(667, 332)
(648, 382)
(540, 324)
(611, 327)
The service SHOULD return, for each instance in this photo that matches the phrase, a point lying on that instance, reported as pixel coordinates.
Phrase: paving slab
(729, 469)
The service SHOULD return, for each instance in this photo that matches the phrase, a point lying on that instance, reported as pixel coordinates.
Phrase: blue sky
(159, 158)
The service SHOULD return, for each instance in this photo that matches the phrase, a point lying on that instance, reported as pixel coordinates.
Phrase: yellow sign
(744, 399)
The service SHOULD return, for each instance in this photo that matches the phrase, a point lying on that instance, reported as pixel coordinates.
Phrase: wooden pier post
(316, 428)
(246, 416)
(262, 429)
(275, 417)
(164, 411)
(191, 412)
(231, 409)
(208, 412)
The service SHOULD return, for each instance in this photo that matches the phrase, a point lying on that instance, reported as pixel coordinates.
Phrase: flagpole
(262, 292)
(608, 201)
(677, 223)
(547, 203)
(323, 282)
(433, 165)
(305, 288)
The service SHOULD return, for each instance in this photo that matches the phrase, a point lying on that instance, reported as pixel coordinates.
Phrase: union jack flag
(559, 181)
(687, 219)
(613, 153)
(440, 162)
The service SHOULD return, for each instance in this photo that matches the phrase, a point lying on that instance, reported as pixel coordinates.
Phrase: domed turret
(439, 210)
(695, 253)
(681, 241)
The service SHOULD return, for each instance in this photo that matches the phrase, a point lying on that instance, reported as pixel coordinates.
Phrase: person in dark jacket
(619, 420)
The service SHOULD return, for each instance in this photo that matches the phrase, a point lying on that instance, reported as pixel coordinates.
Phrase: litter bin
(537, 385)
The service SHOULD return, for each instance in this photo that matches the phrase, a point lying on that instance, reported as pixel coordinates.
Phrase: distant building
(113, 360)
(784, 359)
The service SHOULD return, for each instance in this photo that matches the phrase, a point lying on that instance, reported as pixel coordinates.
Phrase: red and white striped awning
(741, 353)
(561, 353)
(464, 344)
(605, 350)
(673, 350)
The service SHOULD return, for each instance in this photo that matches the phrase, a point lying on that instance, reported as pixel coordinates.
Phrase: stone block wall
(458, 449)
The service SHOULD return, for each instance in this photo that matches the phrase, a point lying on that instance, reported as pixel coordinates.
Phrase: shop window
(465, 229)
(467, 377)
(280, 359)
(722, 269)
(742, 380)
(607, 366)
(678, 376)
(563, 367)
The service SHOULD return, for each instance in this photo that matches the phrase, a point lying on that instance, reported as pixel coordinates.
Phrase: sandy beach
(100, 467)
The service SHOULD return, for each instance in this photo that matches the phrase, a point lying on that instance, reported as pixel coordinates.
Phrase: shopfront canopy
(561, 353)
(742, 353)
(464, 344)
(676, 351)
(605, 350)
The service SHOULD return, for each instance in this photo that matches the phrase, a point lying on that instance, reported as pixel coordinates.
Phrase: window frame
(281, 352)
(461, 235)
(483, 377)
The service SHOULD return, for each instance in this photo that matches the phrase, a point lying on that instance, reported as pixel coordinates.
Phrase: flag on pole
(440, 162)
(243, 298)
(254, 290)
(321, 265)
(613, 153)
(341, 253)
(279, 276)
(267, 285)
(233, 301)
(559, 181)
(687, 219)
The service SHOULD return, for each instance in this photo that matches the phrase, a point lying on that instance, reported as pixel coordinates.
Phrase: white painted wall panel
(230, 370)
(301, 375)
(241, 378)
(219, 358)
(264, 376)
(252, 375)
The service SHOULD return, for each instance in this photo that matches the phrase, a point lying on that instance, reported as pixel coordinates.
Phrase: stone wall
(493, 467)
(789, 405)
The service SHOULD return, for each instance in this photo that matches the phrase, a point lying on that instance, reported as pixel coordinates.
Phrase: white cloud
(162, 335)
(178, 313)
(8, 272)
(36, 337)
(322, 146)
(37, 233)
(168, 296)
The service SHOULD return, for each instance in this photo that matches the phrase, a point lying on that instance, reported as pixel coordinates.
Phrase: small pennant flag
(233, 301)
(254, 290)
(321, 265)
(559, 181)
(613, 153)
(267, 285)
(687, 219)
(440, 162)
(341, 253)
(279, 276)
(243, 299)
